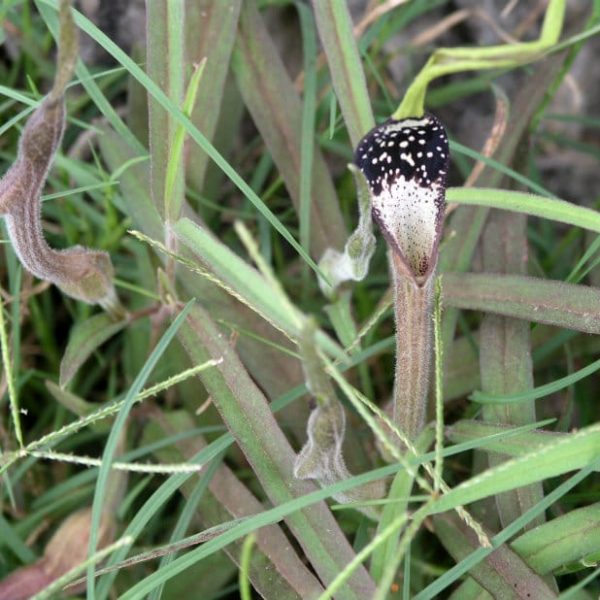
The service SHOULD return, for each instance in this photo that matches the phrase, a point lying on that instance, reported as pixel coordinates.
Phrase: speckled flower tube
(405, 164)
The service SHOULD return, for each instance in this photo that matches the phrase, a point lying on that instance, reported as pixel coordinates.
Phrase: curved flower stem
(413, 307)
(445, 61)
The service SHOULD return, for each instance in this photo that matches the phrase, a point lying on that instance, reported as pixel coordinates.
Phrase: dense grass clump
(220, 380)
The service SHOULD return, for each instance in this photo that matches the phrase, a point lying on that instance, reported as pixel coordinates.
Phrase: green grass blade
(115, 432)
(500, 168)
(538, 392)
(529, 204)
(276, 109)
(307, 143)
(210, 30)
(167, 104)
(336, 32)
(165, 65)
(536, 300)
(7, 365)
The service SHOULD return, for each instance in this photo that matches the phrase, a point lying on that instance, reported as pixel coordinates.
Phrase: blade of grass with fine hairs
(276, 109)
(505, 352)
(246, 413)
(537, 300)
(336, 32)
(503, 573)
(210, 31)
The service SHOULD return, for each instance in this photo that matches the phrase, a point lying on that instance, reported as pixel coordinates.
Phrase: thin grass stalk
(413, 309)
(164, 63)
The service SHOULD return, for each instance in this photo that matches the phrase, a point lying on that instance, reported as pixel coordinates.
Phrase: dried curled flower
(80, 273)
(405, 163)
(322, 458)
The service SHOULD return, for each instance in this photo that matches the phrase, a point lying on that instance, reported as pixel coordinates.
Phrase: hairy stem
(413, 307)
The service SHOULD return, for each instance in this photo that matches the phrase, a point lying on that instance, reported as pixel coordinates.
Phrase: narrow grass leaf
(538, 392)
(115, 432)
(500, 168)
(165, 66)
(307, 141)
(173, 199)
(13, 397)
(537, 300)
(336, 32)
(529, 204)
(210, 31)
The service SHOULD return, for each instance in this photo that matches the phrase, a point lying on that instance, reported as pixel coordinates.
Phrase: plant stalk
(413, 308)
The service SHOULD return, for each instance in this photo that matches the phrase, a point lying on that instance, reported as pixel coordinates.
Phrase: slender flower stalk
(405, 164)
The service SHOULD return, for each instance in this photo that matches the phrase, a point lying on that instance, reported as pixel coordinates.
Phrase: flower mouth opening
(405, 163)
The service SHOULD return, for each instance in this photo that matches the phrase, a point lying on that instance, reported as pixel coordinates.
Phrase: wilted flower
(83, 274)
